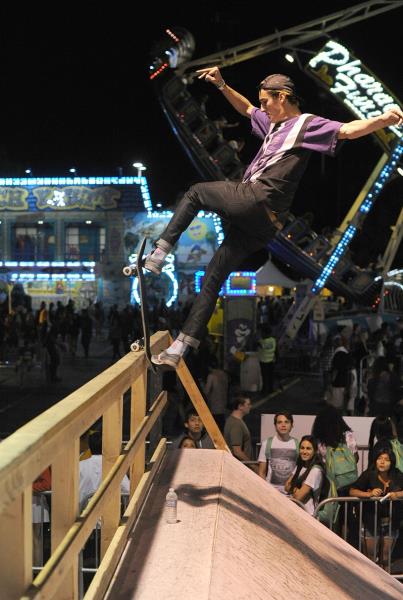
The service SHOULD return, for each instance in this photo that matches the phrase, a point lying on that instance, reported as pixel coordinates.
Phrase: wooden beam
(111, 449)
(65, 488)
(16, 546)
(201, 407)
(137, 414)
(27, 452)
(50, 578)
(104, 574)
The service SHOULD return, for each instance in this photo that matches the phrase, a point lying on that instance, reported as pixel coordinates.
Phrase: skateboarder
(257, 207)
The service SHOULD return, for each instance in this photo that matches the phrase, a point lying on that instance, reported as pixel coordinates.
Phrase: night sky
(76, 94)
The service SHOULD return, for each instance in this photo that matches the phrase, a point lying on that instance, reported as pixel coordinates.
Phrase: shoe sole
(173, 364)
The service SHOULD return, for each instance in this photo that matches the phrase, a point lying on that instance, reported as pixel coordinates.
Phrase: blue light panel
(226, 289)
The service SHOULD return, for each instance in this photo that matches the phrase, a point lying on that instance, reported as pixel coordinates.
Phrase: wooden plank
(111, 450)
(28, 451)
(49, 579)
(137, 414)
(65, 492)
(101, 580)
(201, 407)
(16, 546)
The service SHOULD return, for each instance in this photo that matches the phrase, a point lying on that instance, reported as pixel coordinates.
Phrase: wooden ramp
(237, 538)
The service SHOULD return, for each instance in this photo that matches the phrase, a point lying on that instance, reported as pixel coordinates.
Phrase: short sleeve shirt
(314, 480)
(368, 480)
(283, 156)
(283, 458)
(236, 433)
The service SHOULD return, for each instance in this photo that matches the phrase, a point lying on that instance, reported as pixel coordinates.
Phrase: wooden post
(111, 450)
(137, 414)
(65, 486)
(202, 409)
(16, 545)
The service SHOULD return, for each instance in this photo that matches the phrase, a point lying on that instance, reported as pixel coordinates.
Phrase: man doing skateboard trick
(257, 207)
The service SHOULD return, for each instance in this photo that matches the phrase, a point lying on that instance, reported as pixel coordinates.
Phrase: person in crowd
(383, 429)
(344, 377)
(216, 391)
(325, 363)
(86, 331)
(305, 482)
(115, 331)
(91, 469)
(380, 479)
(267, 347)
(278, 454)
(383, 388)
(256, 208)
(52, 346)
(236, 432)
(40, 514)
(331, 431)
(187, 442)
(194, 428)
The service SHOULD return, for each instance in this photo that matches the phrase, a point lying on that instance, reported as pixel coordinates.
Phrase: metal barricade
(94, 539)
(382, 537)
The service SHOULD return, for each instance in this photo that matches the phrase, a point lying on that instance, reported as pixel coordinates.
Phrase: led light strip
(364, 209)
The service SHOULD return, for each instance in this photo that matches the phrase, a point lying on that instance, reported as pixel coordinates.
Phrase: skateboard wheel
(129, 270)
(136, 346)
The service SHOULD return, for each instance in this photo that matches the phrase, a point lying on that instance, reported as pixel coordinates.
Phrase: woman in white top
(305, 482)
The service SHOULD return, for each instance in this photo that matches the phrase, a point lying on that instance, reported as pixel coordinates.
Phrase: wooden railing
(53, 439)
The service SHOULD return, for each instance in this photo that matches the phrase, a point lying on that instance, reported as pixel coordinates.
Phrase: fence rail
(52, 439)
(364, 533)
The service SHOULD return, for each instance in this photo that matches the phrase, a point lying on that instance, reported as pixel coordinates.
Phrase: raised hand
(211, 74)
(393, 116)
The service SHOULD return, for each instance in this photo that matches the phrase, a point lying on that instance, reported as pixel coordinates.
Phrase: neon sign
(352, 83)
(168, 269)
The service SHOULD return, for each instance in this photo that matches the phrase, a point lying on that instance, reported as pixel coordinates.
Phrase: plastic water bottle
(171, 504)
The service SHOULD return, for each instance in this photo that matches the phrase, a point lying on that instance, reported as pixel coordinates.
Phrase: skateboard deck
(143, 344)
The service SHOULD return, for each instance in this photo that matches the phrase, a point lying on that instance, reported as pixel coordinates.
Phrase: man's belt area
(273, 218)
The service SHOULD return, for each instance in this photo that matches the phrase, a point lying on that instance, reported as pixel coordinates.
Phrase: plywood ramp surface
(237, 538)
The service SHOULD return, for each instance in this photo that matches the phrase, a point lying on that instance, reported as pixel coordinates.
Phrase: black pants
(267, 369)
(242, 204)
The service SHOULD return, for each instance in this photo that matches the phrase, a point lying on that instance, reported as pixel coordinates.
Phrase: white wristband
(221, 85)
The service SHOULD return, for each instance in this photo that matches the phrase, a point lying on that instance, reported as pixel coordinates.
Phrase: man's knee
(195, 190)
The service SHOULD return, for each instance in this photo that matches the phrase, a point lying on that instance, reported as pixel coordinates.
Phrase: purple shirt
(282, 159)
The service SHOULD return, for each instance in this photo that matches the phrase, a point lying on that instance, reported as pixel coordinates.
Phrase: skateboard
(144, 343)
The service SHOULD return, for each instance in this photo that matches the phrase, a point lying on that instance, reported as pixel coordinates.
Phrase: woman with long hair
(331, 430)
(380, 479)
(383, 429)
(305, 482)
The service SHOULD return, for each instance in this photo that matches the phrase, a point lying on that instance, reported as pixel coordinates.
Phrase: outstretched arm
(361, 127)
(239, 102)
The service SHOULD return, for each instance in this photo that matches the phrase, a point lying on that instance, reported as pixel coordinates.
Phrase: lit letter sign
(355, 86)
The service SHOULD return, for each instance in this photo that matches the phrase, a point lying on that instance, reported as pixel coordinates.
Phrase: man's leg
(235, 202)
(236, 247)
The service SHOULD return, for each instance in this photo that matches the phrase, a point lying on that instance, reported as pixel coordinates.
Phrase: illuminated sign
(13, 198)
(82, 197)
(239, 283)
(357, 87)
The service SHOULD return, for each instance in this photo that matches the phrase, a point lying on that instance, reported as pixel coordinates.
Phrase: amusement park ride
(334, 68)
